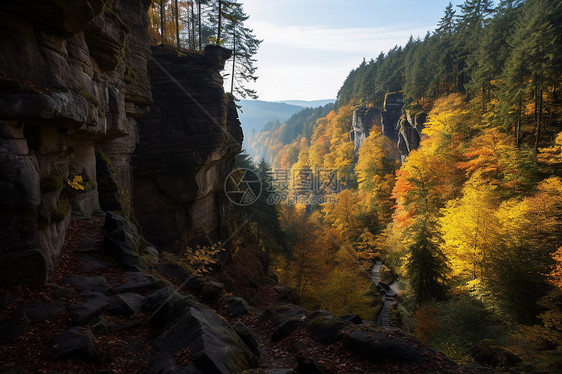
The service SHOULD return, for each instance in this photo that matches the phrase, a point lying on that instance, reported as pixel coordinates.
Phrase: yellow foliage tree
(342, 216)
(346, 286)
(552, 155)
(496, 159)
(556, 273)
(375, 168)
(469, 229)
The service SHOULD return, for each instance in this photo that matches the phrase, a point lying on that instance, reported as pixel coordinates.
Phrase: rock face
(363, 120)
(74, 97)
(392, 110)
(410, 127)
(404, 129)
(73, 81)
(193, 129)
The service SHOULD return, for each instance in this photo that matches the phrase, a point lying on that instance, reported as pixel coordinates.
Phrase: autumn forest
(469, 222)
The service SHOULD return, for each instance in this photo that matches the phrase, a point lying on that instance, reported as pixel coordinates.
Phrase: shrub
(202, 258)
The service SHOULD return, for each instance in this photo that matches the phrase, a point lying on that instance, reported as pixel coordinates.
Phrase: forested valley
(468, 221)
(413, 226)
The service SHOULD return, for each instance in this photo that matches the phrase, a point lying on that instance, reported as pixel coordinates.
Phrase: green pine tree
(426, 266)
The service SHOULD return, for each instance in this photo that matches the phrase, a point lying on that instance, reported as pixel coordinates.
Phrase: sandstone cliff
(193, 127)
(74, 90)
(404, 129)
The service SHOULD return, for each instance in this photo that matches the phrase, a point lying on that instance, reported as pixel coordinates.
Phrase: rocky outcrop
(410, 127)
(75, 99)
(73, 81)
(404, 129)
(392, 110)
(187, 146)
(363, 120)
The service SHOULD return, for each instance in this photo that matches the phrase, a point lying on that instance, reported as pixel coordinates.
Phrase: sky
(310, 46)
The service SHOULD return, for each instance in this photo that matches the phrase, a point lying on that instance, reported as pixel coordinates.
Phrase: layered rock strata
(403, 129)
(73, 82)
(187, 146)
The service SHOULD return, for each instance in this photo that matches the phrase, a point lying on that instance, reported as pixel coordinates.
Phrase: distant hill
(255, 114)
(308, 104)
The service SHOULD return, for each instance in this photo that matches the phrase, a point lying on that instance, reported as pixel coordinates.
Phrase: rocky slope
(100, 316)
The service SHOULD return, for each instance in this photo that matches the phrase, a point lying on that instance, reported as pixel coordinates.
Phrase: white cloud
(312, 62)
(363, 40)
(300, 82)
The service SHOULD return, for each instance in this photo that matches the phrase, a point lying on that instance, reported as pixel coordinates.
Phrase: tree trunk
(162, 20)
(177, 24)
(518, 124)
(233, 60)
(220, 23)
(538, 106)
(193, 27)
(199, 21)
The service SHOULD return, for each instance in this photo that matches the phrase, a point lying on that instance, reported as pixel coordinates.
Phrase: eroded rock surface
(194, 130)
(73, 80)
(403, 128)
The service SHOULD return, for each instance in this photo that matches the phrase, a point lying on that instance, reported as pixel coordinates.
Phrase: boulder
(167, 306)
(92, 264)
(280, 313)
(377, 346)
(286, 328)
(247, 337)
(76, 342)
(126, 304)
(237, 306)
(156, 299)
(38, 311)
(213, 346)
(62, 292)
(353, 318)
(211, 291)
(99, 326)
(188, 279)
(94, 284)
(122, 241)
(93, 305)
(308, 365)
(324, 327)
(138, 282)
